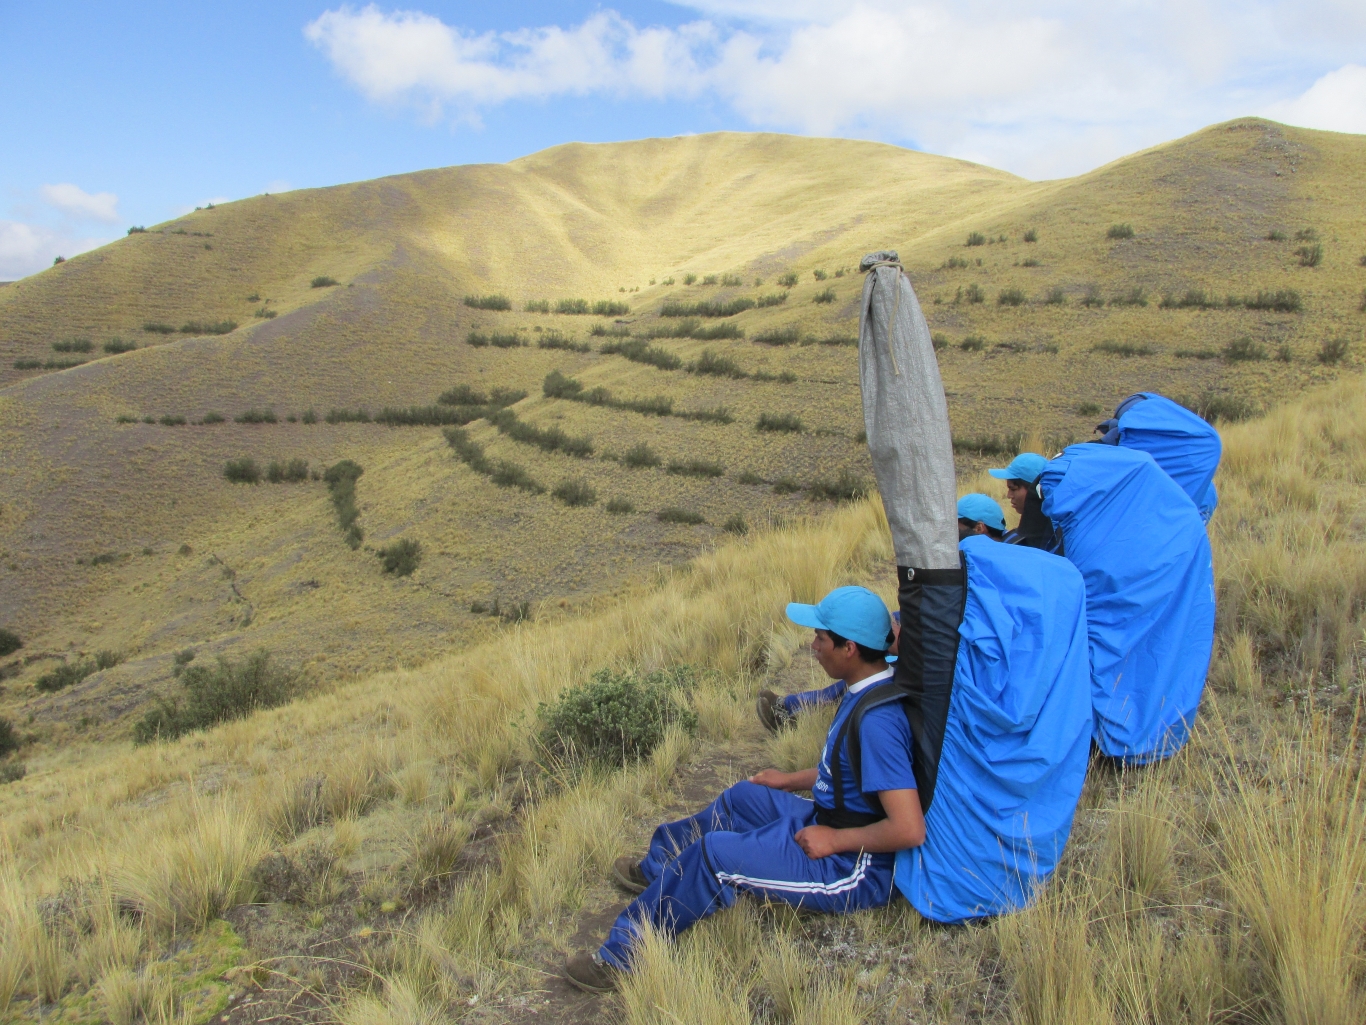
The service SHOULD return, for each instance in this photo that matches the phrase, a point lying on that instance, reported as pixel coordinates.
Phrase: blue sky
(115, 115)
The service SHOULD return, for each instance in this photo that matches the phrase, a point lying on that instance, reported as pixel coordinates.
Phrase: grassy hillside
(125, 537)
(415, 856)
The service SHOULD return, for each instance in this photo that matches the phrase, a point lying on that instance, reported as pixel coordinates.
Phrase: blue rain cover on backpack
(1016, 742)
(1145, 556)
(1182, 443)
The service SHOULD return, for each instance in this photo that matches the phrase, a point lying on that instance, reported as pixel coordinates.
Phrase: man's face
(966, 528)
(837, 662)
(1016, 490)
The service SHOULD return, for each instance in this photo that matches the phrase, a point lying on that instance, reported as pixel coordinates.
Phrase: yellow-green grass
(583, 221)
(1223, 883)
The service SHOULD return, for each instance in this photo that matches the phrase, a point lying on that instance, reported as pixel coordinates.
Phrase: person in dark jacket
(1035, 530)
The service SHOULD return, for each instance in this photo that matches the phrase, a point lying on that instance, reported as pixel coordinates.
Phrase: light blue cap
(981, 508)
(1026, 467)
(852, 612)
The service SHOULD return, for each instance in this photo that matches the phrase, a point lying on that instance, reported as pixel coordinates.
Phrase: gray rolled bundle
(907, 418)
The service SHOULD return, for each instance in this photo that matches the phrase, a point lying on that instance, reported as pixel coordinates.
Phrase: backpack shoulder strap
(849, 738)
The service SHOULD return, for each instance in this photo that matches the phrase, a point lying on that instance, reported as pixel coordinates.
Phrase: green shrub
(548, 439)
(257, 416)
(291, 471)
(242, 471)
(716, 332)
(703, 308)
(1197, 354)
(1055, 297)
(488, 302)
(709, 279)
(976, 238)
(106, 559)
(1125, 349)
(642, 352)
(989, 444)
(735, 524)
(124, 418)
(154, 327)
(1332, 351)
(208, 327)
(954, 263)
(537, 306)
(839, 340)
(1283, 300)
(847, 487)
(616, 718)
(973, 343)
(1088, 409)
(1306, 235)
(265, 313)
(12, 772)
(347, 416)
(1310, 256)
(1029, 261)
(772, 299)
(28, 364)
(9, 642)
(717, 415)
(219, 693)
(1244, 350)
(1194, 299)
(973, 293)
(641, 454)
(1092, 298)
(939, 340)
(819, 275)
(1275, 235)
(402, 557)
(73, 345)
(750, 477)
(779, 422)
(507, 340)
(341, 480)
(786, 486)
(574, 492)
(678, 329)
(688, 279)
(694, 468)
(1134, 297)
(608, 308)
(431, 416)
(573, 307)
(1220, 407)
(323, 281)
(620, 506)
(1010, 297)
(172, 421)
(673, 514)
(117, 346)
(9, 738)
(1120, 231)
(828, 296)
(555, 340)
(788, 280)
(1032, 235)
(778, 336)
(1285, 354)
(68, 674)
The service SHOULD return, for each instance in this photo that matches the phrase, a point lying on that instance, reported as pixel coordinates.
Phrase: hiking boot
(590, 973)
(771, 711)
(627, 874)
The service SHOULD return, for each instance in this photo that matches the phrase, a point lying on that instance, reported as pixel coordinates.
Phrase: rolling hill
(120, 533)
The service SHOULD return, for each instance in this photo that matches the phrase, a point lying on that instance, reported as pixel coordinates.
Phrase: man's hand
(803, 780)
(818, 841)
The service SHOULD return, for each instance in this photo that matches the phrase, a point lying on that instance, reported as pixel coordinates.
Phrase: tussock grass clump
(9, 642)
(1120, 231)
(642, 352)
(156, 327)
(558, 386)
(1092, 299)
(673, 514)
(170, 420)
(1193, 299)
(976, 238)
(1332, 351)
(347, 416)
(617, 718)
(772, 299)
(779, 336)
(341, 480)
(1310, 256)
(641, 455)
(620, 506)
(825, 297)
(74, 345)
(689, 279)
(1133, 297)
(989, 444)
(819, 275)
(715, 415)
(703, 308)
(973, 294)
(323, 281)
(290, 471)
(847, 486)
(735, 524)
(1088, 409)
(788, 280)
(716, 332)
(1276, 235)
(610, 308)
(973, 343)
(1031, 235)
(218, 693)
(1197, 354)
(1029, 261)
(117, 346)
(242, 471)
(497, 303)
(548, 439)
(1125, 349)
(402, 557)
(555, 340)
(1010, 297)
(208, 327)
(694, 468)
(537, 306)
(1056, 296)
(779, 422)
(574, 492)
(257, 416)
(498, 339)
(1245, 350)
(1282, 300)
(573, 307)
(955, 263)
(709, 363)
(440, 415)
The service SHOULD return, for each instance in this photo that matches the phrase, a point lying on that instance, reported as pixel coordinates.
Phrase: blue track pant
(743, 842)
(795, 703)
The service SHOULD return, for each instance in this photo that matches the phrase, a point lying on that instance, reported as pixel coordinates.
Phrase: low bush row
(219, 693)
(548, 439)
(68, 674)
(502, 472)
(558, 386)
(341, 483)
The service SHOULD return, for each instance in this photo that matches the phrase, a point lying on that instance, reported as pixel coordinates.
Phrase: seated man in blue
(833, 853)
(977, 514)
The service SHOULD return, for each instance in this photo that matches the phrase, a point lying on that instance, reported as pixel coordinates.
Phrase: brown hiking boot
(771, 711)
(627, 874)
(588, 972)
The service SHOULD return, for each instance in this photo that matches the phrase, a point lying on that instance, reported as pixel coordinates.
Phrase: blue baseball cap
(981, 508)
(1026, 466)
(855, 613)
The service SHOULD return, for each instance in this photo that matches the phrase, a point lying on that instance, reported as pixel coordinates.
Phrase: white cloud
(27, 248)
(1335, 103)
(75, 201)
(1048, 88)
